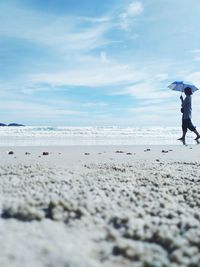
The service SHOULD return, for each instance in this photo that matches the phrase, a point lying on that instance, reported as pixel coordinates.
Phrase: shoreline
(66, 136)
(77, 156)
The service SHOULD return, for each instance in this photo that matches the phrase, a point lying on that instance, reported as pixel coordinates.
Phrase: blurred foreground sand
(100, 206)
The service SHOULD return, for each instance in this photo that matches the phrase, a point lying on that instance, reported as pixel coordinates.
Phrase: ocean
(60, 136)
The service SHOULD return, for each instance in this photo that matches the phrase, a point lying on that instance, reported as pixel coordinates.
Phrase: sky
(97, 62)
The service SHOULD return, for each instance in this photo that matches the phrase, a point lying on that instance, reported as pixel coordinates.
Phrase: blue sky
(97, 62)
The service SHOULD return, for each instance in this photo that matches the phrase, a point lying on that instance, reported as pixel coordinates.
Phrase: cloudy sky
(97, 62)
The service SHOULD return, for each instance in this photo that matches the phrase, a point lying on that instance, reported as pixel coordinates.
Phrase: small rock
(27, 153)
(165, 151)
(119, 151)
(10, 153)
(117, 251)
(87, 154)
(118, 222)
(147, 150)
(45, 153)
(128, 153)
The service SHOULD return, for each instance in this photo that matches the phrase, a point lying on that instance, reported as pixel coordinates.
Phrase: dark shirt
(187, 107)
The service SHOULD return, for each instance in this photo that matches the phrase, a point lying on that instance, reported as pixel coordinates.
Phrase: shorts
(187, 124)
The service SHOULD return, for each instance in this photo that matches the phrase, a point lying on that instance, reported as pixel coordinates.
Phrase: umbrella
(180, 86)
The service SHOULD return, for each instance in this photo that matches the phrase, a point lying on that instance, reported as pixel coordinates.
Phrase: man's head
(188, 91)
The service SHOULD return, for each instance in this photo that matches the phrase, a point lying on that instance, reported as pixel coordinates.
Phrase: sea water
(60, 136)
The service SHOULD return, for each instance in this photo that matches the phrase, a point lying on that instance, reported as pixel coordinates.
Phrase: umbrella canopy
(180, 86)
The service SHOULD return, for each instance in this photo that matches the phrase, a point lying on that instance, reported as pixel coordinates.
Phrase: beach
(99, 133)
(100, 206)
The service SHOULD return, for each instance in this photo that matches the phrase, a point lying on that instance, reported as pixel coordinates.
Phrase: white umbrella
(180, 86)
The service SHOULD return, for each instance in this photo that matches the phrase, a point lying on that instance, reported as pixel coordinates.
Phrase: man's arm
(181, 98)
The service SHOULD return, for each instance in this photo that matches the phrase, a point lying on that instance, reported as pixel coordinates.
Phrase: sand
(100, 206)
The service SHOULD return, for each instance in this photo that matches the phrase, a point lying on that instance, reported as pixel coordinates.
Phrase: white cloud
(90, 75)
(194, 77)
(147, 90)
(24, 110)
(94, 104)
(64, 34)
(73, 42)
(133, 10)
(104, 57)
(159, 109)
(155, 112)
(196, 53)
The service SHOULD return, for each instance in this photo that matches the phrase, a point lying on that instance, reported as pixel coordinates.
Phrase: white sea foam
(45, 135)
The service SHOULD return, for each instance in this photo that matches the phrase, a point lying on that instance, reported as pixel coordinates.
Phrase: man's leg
(197, 134)
(184, 129)
(193, 129)
(183, 136)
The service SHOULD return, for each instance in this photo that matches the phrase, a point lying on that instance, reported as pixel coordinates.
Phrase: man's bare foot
(182, 139)
(197, 138)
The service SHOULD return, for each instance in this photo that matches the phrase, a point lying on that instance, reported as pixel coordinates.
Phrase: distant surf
(59, 136)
